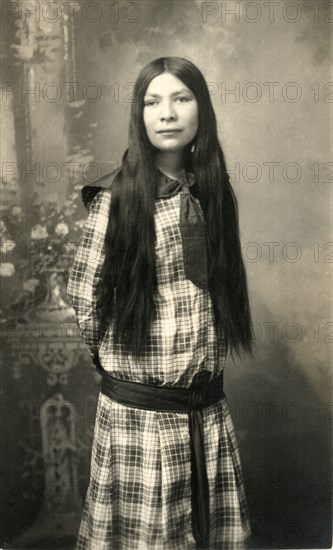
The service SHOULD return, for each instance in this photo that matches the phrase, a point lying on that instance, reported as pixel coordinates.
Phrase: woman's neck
(170, 163)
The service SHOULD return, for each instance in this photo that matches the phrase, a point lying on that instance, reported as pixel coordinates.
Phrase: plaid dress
(139, 494)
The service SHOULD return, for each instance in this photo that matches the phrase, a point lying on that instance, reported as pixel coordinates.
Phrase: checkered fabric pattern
(139, 494)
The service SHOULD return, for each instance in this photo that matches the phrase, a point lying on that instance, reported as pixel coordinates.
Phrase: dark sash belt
(191, 400)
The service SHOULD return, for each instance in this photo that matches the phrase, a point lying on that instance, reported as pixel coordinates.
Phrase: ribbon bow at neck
(192, 225)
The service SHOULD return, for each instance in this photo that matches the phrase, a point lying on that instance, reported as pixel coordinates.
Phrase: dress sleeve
(86, 269)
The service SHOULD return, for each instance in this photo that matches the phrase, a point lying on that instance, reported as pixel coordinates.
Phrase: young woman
(159, 290)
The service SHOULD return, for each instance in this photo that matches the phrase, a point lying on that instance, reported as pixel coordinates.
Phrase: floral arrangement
(37, 250)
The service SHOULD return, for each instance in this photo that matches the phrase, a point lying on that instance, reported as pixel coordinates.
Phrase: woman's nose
(167, 111)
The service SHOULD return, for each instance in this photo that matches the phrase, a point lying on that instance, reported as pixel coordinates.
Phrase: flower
(39, 232)
(61, 229)
(7, 269)
(7, 246)
(16, 210)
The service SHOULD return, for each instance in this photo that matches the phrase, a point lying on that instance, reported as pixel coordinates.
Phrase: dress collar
(165, 186)
(168, 187)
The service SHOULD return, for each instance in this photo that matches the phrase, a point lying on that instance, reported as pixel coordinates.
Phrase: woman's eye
(154, 102)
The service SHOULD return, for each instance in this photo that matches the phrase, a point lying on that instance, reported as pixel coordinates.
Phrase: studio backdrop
(68, 70)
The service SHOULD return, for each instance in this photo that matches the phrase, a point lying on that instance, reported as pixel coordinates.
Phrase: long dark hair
(128, 277)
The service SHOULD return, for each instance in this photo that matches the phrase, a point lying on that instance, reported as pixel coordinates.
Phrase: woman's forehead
(166, 82)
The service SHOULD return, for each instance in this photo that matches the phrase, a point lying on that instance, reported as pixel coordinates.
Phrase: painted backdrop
(67, 79)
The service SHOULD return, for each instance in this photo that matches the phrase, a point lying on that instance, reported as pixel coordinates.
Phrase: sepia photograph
(166, 274)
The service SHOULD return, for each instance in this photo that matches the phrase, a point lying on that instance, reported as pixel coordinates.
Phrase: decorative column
(46, 376)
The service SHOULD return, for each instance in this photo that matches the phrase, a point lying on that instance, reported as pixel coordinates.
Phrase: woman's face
(170, 113)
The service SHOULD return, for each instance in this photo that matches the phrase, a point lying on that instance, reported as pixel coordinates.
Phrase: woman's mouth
(170, 131)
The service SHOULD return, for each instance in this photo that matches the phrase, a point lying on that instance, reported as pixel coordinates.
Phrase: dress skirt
(139, 495)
